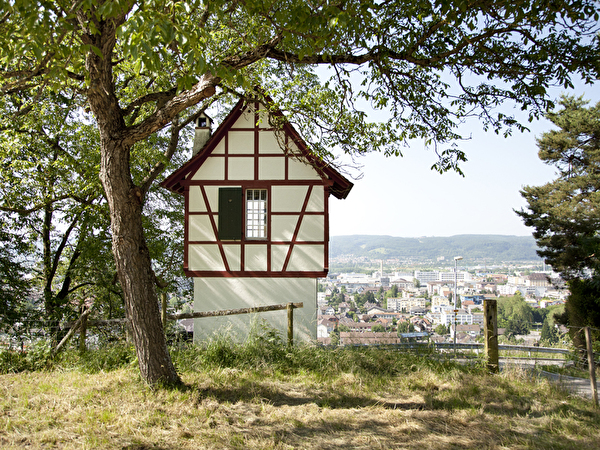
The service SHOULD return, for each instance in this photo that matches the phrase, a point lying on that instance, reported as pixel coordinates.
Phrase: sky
(402, 196)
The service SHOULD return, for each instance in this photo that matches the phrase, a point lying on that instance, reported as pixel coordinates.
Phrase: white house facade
(256, 222)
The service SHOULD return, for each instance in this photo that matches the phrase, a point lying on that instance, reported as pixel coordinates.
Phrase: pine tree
(565, 213)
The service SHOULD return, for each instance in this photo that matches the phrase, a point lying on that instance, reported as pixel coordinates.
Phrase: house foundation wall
(214, 294)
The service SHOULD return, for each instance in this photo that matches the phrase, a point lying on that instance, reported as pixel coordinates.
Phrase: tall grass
(264, 350)
(262, 394)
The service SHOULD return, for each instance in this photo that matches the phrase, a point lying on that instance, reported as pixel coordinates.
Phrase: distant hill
(474, 247)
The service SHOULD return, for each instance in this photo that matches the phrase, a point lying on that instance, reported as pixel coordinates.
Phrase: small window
(256, 213)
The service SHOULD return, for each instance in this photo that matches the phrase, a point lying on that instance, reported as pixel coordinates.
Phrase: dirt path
(579, 386)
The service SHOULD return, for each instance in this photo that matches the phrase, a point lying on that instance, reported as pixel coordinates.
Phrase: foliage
(441, 329)
(549, 334)
(516, 326)
(362, 299)
(405, 327)
(565, 213)
(513, 308)
(14, 287)
(51, 193)
(582, 309)
(336, 299)
(378, 328)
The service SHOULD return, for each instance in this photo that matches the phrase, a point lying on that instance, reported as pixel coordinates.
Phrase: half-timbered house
(256, 221)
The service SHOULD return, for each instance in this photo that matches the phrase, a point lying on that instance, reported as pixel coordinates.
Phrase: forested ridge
(469, 246)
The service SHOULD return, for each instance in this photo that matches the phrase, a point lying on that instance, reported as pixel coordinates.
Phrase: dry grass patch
(424, 406)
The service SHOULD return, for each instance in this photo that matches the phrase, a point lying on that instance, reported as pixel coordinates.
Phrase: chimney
(202, 135)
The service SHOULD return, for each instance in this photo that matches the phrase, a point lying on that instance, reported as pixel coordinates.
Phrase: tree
(549, 334)
(516, 326)
(441, 329)
(14, 288)
(146, 66)
(405, 327)
(54, 200)
(565, 213)
(378, 328)
(50, 184)
(515, 313)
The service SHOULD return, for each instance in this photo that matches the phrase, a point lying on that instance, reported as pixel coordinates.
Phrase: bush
(36, 357)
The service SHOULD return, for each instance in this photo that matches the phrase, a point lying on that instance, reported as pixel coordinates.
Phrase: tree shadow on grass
(470, 414)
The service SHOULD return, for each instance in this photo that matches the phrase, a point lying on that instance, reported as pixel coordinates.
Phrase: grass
(263, 396)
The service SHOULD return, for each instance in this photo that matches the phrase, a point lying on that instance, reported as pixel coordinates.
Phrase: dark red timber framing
(329, 180)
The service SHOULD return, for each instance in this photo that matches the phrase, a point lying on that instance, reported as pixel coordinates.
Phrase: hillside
(472, 247)
(265, 395)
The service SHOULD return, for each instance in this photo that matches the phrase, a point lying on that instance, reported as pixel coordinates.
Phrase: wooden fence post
(163, 300)
(290, 330)
(82, 334)
(591, 364)
(490, 331)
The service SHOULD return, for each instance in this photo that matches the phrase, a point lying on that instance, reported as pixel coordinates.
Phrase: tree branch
(204, 89)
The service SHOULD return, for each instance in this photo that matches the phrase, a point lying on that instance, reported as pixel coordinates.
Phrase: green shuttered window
(234, 207)
(230, 213)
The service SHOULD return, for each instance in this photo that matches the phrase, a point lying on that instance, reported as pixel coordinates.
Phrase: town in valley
(389, 305)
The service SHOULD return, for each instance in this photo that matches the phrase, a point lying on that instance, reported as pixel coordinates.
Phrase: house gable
(256, 201)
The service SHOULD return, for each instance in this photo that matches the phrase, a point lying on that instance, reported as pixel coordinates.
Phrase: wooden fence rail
(82, 323)
(230, 312)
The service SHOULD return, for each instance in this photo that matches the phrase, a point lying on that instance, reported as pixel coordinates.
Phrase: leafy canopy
(430, 65)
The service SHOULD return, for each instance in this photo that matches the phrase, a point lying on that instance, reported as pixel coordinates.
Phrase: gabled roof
(176, 181)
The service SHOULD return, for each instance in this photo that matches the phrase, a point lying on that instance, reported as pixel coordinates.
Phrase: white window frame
(255, 201)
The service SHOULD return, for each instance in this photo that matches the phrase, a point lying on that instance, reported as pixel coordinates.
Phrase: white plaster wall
(233, 253)
(241, 142)
(278, 255)
(246, 120)
(196, 203)
(211, 294)
(269, 142)
(212, 193)
(312, 228)
(307, 258)
(282, 227)
(200, 228)
(212, 169)
(263, 117)
(271, 168)
(241, 168)
(219, 149)
(205, 257)
(316, 203)
(299, 170)
(288, 198)
(255, 257)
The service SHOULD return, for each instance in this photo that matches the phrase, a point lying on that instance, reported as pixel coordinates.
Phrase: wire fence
(23, 334)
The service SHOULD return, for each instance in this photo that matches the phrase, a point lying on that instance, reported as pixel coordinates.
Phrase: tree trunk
(134, 266)
(125, 199)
